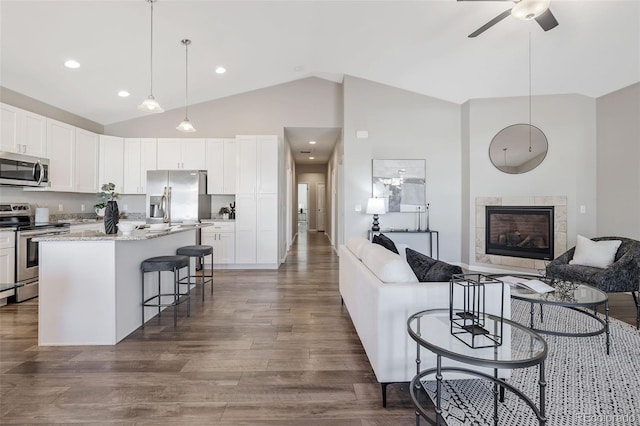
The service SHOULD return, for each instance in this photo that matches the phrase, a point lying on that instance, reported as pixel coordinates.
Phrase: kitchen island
(90, 283)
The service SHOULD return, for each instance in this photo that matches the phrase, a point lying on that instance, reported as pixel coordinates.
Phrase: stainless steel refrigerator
(175, 196)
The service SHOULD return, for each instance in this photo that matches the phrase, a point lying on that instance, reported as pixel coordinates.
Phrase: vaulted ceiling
(421, 46)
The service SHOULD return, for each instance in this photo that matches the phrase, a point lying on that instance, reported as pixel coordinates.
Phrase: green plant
(107, 193)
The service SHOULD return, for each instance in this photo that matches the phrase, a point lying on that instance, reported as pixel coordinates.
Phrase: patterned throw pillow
(385, 242)
(428, 269)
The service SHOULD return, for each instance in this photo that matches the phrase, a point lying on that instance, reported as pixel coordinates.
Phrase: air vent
(305, 152)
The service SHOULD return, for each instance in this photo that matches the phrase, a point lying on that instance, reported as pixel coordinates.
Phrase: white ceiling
(302, 150)
(421, 46)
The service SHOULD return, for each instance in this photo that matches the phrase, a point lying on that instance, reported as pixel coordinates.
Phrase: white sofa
(380, 292)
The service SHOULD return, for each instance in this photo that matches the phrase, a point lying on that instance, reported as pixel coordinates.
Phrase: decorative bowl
(126, 227)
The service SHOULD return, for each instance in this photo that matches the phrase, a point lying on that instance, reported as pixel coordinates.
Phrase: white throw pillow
(598, 254)
(356, 244)
(386, 265)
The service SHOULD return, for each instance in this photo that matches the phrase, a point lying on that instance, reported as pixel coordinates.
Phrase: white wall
(619, 163)
(569, 168)
(402, 125)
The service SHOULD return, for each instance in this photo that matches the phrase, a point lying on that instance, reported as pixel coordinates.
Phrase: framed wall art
(401, 183)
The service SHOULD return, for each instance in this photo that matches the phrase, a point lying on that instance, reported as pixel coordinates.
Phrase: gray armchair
(622, 276)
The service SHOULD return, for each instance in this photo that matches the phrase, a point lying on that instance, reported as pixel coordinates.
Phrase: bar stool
(200, 252)
(173, 264)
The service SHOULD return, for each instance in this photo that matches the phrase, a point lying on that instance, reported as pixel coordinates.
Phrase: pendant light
(186, 125)
(530, 91)
(150, 104)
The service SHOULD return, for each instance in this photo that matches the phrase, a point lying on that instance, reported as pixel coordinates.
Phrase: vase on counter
(111, 218)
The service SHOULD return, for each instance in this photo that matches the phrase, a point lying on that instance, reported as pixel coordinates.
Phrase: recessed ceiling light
(312, 158)
(312, 142)
(123, 94)
(71, 63)
(221, 70)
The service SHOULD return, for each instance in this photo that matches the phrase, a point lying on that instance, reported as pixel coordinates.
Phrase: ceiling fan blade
(547, 21)
(490, 24)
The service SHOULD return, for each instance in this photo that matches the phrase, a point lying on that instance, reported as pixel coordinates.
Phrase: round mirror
(518, 148)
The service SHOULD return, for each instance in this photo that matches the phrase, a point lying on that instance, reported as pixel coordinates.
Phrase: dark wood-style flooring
(269, 347)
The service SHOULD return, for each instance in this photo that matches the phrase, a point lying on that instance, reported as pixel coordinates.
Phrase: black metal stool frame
(177, 300)
(204, 278)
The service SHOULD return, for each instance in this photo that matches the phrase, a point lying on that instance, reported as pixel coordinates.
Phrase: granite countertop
(216, 219)
(137, 234)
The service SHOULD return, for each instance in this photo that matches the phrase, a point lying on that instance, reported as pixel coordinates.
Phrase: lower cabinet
(221, 236)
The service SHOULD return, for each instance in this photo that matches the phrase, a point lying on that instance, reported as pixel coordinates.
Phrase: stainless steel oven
(27, 257)
(17, 217)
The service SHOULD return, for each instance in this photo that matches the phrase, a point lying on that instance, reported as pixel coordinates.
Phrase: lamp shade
(375, 206)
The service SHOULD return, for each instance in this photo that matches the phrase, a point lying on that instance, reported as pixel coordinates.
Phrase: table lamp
(375, 206)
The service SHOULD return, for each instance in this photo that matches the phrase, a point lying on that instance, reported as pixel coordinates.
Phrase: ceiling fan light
(150, 105)
(186, 126)
(529, 9)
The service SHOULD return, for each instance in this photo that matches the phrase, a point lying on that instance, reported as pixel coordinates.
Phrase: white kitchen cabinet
(139, 156)
(257, 200)
(267, 164)
(246, 215)
(267, 229)
(247, 160)
(73, 158)
(86, 161)
(22, 131)
(7, 264)
(221, 166)
(220, 236)
(189, 154)
(112, 161)
(61, 139)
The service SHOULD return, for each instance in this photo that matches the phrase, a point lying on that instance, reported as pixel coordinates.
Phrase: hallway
(270, 347)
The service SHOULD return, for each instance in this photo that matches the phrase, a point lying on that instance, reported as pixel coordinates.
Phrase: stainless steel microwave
(23, 170)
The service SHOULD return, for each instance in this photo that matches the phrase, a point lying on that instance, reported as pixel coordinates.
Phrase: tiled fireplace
(525, 232)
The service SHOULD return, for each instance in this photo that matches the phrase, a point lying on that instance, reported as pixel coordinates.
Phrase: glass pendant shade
(150, 105)
(529, 9)
(186, 126)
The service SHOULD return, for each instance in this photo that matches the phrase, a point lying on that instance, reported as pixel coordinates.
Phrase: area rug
(585, 386)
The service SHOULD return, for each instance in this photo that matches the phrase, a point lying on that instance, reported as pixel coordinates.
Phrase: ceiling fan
(524, 10)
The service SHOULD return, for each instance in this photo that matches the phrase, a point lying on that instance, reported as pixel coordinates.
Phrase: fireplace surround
(559, 204)
(520, 231)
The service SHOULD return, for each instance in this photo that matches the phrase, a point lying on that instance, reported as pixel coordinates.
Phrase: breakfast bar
(90, 283)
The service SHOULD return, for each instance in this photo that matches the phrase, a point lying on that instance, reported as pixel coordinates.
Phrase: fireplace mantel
(560, 228)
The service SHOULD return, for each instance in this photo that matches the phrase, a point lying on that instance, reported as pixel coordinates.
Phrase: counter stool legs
(169, 264)
(199, 252)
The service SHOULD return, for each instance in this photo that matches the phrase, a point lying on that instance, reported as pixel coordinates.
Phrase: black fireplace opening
(519, 231)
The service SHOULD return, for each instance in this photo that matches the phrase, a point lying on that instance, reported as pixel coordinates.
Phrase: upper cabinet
(22, 131)
(73, 158)
(86, 161)
(139, 156)
(176, 154)
(258, 160)
(112, 161)
(61, 141)
(221, 166)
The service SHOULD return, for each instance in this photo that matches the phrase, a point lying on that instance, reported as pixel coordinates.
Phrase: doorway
(320, 204)
(303, 207)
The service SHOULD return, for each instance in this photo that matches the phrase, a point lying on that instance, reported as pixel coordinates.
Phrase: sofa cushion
(387, 266)
(597, 254)
(428, 269)
(385, 242)
(356, 244)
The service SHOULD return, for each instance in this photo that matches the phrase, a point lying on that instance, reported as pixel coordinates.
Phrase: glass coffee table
(571, 295)
(521, 348)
